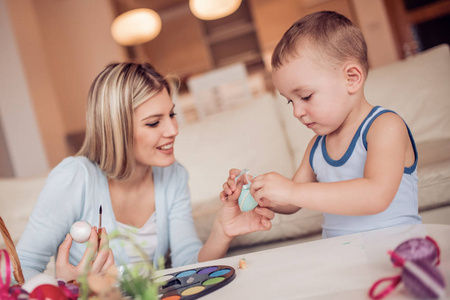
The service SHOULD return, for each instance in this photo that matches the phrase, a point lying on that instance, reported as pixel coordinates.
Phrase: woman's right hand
(97, 259)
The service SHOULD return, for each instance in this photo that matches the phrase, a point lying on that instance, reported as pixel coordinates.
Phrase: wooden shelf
(429, 12)
(233, 38)
(231, 31)
(406, 21)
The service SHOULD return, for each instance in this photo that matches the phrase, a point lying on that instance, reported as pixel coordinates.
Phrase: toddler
(360, 169)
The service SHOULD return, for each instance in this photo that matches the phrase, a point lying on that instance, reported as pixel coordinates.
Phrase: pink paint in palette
(194, 283)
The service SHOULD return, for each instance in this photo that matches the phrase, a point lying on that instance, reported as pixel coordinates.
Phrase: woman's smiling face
(154, 129)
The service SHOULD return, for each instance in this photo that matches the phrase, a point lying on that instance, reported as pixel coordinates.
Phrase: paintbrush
(99, 229)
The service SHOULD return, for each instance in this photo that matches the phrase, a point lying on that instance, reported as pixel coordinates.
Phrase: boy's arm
(387, 144)
(304, 173)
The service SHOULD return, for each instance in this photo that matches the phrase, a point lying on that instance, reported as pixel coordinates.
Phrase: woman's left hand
(235, 222)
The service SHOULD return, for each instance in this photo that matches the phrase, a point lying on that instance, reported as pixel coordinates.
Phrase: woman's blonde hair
(114, 95)
(331, 35)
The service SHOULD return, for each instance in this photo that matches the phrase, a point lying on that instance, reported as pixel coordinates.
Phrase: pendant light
(213, 9)
(136, 27)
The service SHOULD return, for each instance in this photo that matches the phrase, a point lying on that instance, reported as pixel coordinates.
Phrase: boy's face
(317, 90)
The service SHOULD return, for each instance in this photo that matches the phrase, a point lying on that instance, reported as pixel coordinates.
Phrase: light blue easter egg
(246, 201)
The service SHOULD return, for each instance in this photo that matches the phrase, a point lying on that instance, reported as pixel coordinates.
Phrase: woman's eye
(152, 124)
(289, 101)
(172, 115)
(306, 98)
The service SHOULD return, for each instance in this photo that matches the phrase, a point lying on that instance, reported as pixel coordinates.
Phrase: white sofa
(263, 136)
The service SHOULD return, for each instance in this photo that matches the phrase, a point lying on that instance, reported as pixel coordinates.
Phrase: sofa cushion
(17, 199)
(418, 90)
(249, 136)
(434, 174)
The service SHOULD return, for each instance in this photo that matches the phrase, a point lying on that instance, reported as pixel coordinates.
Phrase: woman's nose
(171, 128)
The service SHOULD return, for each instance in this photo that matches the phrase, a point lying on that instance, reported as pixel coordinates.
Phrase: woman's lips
(166, 147)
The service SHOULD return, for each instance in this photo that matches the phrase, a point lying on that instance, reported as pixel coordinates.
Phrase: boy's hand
(272, 190)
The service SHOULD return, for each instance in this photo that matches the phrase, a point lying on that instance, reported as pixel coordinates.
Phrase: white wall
(20, 130)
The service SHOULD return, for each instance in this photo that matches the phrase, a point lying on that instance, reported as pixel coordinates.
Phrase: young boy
(360, 169)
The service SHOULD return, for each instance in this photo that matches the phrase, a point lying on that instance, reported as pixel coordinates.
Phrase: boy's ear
(354, 76)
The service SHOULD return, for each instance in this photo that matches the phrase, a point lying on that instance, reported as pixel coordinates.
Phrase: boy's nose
(299, 111)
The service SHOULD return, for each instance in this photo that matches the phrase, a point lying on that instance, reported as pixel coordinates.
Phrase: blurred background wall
(51, 50)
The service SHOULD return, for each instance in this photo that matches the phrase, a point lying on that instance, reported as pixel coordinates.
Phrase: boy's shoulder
(386, 122)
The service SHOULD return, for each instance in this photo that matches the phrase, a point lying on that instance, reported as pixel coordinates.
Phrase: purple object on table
(423, 280)
(418, 250)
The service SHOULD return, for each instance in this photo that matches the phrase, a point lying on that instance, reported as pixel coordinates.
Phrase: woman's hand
(229, 187)
(233, 221)
(97, 258)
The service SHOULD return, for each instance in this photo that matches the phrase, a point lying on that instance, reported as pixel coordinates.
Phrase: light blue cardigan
(74, 191)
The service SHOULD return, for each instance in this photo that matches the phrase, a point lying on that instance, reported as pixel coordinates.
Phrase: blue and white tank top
(402, 210)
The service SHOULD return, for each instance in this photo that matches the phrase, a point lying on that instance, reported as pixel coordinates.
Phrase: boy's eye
(306, 98)
(289, 101)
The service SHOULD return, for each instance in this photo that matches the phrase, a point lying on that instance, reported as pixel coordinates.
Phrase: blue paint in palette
(186, 273)
(220, 272)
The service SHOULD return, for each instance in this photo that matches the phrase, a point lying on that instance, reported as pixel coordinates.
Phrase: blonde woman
(127, 166)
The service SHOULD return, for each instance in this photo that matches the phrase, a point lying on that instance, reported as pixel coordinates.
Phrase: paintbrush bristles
(100, 219)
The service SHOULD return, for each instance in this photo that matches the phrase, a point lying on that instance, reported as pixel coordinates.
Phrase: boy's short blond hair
(332, 36)
(114, 95)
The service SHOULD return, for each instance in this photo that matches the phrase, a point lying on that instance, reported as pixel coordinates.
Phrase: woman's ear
(354, 76)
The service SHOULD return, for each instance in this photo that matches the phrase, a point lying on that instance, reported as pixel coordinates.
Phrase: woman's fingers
(64, 250)
(109, 261)
(103, 256)
(265, 225)
(63, 269)
(232, 178)
(91, 249)
(227, 189)
(265, 212)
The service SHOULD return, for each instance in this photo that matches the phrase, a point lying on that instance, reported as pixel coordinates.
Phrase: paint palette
(194, 283)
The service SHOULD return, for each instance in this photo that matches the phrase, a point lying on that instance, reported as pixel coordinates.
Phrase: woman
(127, 166)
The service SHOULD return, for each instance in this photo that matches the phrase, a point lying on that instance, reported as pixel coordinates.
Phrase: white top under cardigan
(74, 191)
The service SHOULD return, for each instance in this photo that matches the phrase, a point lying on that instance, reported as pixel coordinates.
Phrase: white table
(336, 268)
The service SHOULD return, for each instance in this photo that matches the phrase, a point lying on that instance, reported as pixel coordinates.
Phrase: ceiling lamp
(213, 9)
(136, 26)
